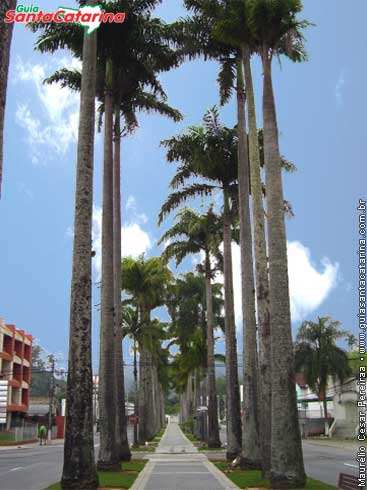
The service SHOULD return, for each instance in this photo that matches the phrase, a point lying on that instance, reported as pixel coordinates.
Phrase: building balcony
(17, 408)
(17, 359)
(15, 383)
(6, 356)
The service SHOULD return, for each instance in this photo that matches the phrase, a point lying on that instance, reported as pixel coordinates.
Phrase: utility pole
(51, 395)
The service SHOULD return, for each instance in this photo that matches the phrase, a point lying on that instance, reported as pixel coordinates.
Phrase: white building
(341, 407)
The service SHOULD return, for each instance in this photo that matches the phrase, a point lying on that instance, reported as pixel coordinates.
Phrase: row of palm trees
(120, 68)
(121, 76)
(232, 32)
(145, 281)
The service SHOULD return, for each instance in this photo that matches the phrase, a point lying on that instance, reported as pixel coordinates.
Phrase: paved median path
(178, 465)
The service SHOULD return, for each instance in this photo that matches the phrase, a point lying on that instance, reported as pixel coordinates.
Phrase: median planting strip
(197, 443)
(151, 446)
(121, 479)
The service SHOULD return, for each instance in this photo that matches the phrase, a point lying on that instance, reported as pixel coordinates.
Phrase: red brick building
(15, 368)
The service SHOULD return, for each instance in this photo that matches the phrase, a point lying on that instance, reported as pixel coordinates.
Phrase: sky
(321, 113)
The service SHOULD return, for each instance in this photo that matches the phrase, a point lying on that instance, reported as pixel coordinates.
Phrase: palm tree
(121, 81)
(108, 459)
(6, 32)
(210, 153)
(149, 337)
(319, 358)
(351, 340)
(157, 335)
(187, 306)
(126, 107)
(79, 466)
(198, 233)
(131, 327)
(213, 32)
(146, 280)
(121, 429)
(275, 29)
(232, 27)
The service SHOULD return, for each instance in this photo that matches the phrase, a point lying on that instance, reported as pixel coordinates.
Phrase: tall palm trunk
(251, 457)
(150, 395)
(143, 395)
(232, 386)
(183, 406)
(6, 32)
(213, 426)
(163, 411)
(189, 396)
(136, 395)
(121, 429)
(196, 395)
(108, 458)
(79, 470)
(155, 398)
(261, 267)
(146, 409)
(287, 469)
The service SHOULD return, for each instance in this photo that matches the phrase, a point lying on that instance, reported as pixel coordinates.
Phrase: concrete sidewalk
(178, 465)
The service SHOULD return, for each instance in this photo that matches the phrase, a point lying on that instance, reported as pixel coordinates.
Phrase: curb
(143, 477)
(335, 446)
(19, 443)
(221, 477)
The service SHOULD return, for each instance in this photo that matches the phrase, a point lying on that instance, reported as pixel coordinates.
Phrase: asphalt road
(324, 462)
(34, 468)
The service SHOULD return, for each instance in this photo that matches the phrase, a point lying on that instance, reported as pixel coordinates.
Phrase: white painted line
(15, 469)
(351, 465)
(181, 473)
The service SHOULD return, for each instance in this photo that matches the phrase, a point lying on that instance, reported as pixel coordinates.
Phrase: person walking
(42, 434)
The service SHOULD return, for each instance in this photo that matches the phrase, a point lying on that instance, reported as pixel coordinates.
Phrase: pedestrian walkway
(178, 465)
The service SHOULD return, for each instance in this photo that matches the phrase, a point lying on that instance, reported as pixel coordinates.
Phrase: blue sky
(321, 112)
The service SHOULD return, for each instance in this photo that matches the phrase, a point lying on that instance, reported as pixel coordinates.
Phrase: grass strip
(121, 479)
(248, 479)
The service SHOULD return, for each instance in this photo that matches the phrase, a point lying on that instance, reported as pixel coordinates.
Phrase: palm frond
(71, 79)
(179, 250)
(226, 79)
(177, 198)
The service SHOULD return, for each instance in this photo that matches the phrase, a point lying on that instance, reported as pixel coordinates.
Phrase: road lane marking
(181, 473)
(351, 465)
(15, 469)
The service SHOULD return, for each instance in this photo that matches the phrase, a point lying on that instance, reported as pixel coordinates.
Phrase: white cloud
(69, 232)
(55, 126)
(236, 262)
(167, 243)
(134, 240)
(26, 191)
(309, 285)
(131, 202)
(339, 89)
(132, 207)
